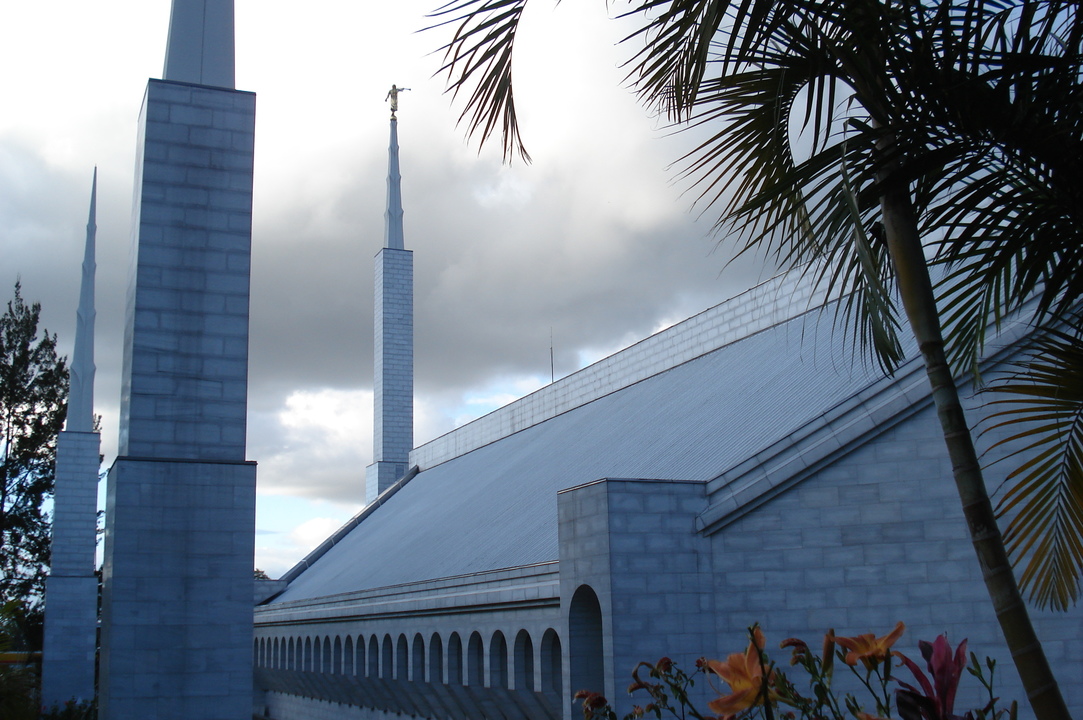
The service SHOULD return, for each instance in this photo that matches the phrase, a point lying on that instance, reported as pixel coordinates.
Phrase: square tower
(393, 341)
(177, 598)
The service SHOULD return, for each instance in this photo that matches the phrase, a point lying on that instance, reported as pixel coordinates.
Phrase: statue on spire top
(393, 96)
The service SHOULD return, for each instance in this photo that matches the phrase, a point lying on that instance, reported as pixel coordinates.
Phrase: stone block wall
(185, 382)
(393, 393)
(874, 538)
(177, 601)
(177, 578)
(71, 594)
(633, 542)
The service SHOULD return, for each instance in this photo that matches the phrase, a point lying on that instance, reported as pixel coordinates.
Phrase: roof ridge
(765, 305)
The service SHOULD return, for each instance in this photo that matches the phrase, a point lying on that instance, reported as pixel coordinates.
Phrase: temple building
(742, 466)
(739, 467)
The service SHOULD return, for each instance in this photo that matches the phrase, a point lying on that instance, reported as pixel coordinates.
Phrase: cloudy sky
(594, 244)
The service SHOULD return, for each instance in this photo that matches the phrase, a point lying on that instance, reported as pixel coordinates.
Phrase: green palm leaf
(1043, 411)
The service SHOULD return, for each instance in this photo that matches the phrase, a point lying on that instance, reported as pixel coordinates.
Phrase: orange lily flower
(828, 655)
(868, 648)
(743, 672)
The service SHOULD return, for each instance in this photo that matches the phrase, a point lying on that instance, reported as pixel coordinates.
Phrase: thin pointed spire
(393, 236)
(200, 47)
(81, 390)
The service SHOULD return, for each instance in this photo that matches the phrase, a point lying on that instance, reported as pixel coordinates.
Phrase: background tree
(18, 681)
(33, 393)
(857, 139)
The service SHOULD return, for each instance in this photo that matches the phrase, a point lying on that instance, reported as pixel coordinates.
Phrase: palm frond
(478, 63)
(818, 212)
(678, 39)
(1002, 167)
(1043, 412)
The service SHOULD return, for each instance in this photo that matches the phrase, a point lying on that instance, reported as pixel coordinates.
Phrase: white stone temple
(739, 467)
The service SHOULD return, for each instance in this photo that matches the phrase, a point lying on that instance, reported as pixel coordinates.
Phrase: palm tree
(947, 129)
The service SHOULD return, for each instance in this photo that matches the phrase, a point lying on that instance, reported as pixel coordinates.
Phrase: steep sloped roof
(494, 506)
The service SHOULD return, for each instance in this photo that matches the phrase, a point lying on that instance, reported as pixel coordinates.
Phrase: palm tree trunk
(915, 287)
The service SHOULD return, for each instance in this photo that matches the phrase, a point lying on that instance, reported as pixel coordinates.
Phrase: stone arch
(498, 660)
(336, 657)
(402, 658)
(475, 660)
(455, 659)
(274, 653)
(373, 669)
(552, 671)
(436, 659)
(290, 656)
(417, 657)
(387, 658)
(585, 652)
(326, 656)
(347, 656)
(257, 660)
(306, 659)
(524, 661)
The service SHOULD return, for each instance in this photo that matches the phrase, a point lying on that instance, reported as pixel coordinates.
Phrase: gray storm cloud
(593, 242)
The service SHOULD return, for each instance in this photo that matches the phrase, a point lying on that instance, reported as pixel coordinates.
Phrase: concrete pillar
(177, 597)
(633, 544)
(393, 397)
(71, 592)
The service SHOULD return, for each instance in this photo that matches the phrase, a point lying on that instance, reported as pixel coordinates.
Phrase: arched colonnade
(495, 660)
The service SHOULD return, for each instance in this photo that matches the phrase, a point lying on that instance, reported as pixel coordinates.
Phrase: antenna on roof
(552, 365)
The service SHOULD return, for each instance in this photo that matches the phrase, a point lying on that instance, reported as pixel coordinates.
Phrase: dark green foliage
(18, 680)
(1042, 406)
(33, 393)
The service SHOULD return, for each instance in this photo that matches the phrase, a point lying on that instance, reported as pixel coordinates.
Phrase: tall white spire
(200, 48)
(71, 592)
(393, 236)
(81, 390)
(393, 389)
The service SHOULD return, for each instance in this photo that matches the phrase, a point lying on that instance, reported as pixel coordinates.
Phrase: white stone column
(71, 591)
(393, 342)
(393, 396)
(200, 47)
(177, 595)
